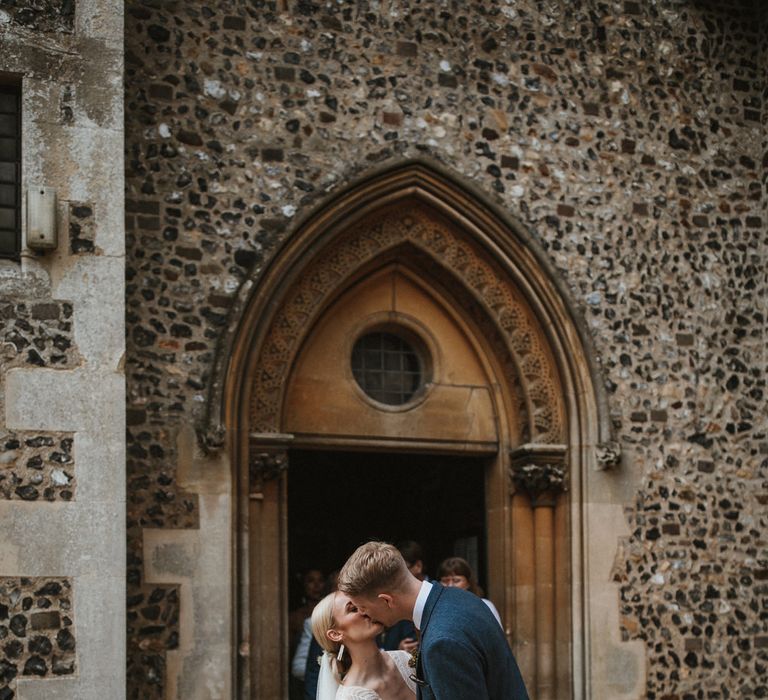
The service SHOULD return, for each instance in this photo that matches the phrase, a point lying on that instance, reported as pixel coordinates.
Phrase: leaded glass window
(387, 367)
(10, 171)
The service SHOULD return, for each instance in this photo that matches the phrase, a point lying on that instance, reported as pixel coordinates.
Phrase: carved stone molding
(540, 471)
(212, 439)
(503, 304)
(265, 466)
(608, 455)
(539, 480)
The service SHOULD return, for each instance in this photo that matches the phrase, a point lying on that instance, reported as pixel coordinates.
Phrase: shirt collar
(421, 601)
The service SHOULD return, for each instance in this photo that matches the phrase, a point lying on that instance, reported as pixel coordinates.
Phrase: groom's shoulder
(463, 615)
(457, 596)
(454, 602)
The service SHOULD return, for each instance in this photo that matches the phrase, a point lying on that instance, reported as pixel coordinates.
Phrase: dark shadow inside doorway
(338, 500)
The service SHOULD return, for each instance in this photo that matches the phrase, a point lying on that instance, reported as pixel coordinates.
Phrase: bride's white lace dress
(354, 692)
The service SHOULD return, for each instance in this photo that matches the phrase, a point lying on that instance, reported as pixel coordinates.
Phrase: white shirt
(421, 601)
(495, 612)
(299, 663)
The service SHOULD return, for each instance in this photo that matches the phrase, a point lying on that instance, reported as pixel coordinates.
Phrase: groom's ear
(386, 598)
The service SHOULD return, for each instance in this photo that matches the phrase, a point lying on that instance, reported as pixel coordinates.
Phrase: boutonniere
(413, 663)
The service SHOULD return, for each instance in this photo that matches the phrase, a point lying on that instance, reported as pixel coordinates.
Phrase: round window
(387, 367)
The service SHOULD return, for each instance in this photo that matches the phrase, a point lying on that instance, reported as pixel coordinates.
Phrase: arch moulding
(505, 271)
(527, 265)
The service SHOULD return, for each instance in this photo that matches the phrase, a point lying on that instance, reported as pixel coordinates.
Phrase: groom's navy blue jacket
(463, 653)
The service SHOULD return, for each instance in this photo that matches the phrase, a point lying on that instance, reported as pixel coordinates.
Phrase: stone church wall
(62, 387)
(627, 137)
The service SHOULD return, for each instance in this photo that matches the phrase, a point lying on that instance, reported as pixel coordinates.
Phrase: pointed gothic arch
(507, 292)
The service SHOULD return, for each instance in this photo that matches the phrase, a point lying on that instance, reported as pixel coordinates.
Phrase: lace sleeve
(356, 693)
(402, 659)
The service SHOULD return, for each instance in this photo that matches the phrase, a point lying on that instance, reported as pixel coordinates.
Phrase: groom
(463, 653)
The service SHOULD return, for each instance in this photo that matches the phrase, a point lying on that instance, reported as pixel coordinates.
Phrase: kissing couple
(462, 654)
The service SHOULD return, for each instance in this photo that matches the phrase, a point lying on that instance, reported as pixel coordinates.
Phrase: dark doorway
(338, 500)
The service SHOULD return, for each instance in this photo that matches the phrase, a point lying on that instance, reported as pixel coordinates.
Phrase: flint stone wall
(628, 137)
(62, 392)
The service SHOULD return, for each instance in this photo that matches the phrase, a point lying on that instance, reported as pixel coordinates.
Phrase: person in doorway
(352, 666)
(314, 651)
(463, 652)
(402, 635)
(312, 668)
(313, 584)
(456, 572)
(413, 553)
(300, 660)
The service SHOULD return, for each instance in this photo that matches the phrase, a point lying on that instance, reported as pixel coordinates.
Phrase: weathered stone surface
(39, 15)
(61, 337)
(36, 333)
(624, 136)
(82, 228)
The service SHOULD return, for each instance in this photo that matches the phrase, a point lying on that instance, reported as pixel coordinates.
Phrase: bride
(352, 667)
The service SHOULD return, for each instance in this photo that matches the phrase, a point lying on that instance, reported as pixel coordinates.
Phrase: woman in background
(457, 573)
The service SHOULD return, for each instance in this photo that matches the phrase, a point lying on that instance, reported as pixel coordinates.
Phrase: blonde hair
(373, 568)
(322, 621)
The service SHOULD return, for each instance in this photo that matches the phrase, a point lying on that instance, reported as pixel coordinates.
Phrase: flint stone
(45, 620)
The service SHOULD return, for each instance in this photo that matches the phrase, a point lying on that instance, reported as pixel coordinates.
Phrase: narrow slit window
(10, 171)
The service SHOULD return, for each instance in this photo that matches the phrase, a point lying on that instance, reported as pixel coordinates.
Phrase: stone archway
(504, 290)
